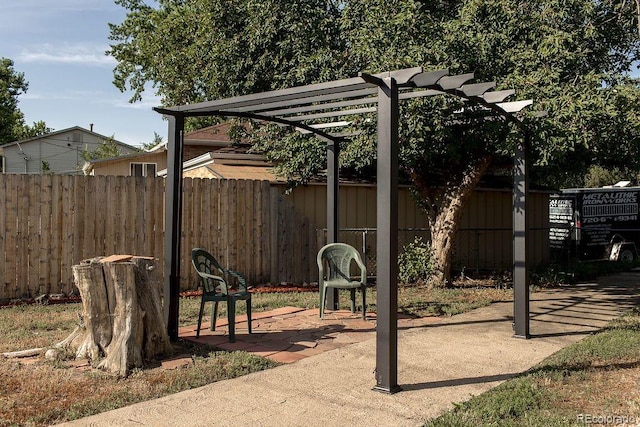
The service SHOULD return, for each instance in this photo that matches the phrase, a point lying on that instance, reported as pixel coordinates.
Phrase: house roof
(71, 129)
(212, 134)
(227, 164)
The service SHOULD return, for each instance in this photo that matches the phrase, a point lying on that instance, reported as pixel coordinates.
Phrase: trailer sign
(561, 222)
(604, 207)
(589, 222)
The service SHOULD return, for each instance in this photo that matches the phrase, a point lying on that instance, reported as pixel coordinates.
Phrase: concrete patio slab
(439, 364)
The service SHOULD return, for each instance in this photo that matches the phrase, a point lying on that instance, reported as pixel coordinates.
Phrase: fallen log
(24, 353)
(39, 350)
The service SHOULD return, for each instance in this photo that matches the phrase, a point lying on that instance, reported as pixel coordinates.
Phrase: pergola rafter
(311, 109)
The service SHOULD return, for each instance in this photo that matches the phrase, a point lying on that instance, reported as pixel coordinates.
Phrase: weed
(414, 262)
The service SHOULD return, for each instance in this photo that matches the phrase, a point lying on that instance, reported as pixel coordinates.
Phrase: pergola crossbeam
(311, 100)
(498, 95)
(337, 113)
(430, 78)
(322, 107)
(454, 82)
(515, 106)
(294, 93)
(477, 89)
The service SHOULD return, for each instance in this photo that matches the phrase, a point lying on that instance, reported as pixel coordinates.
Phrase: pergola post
(173, 224)
(333, 195)
(387, 239)
(520, 237)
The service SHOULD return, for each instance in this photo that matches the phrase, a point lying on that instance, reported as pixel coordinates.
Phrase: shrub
(414, 262)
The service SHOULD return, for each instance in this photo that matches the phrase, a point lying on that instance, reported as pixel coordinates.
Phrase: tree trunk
(122, 316)
(444, 206)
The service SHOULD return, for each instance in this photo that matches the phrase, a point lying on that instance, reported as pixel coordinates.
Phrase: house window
(143, 169)
(1, 164)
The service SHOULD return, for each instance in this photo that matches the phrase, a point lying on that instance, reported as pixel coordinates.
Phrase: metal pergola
(321, 109)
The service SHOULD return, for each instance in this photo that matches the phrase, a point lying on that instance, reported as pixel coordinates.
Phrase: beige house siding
(203, 172)
(122, 166)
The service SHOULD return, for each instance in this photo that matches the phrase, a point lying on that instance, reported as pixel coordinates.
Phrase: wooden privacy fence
(49, 223)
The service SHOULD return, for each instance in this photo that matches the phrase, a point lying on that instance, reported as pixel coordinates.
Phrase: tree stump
(121, 313)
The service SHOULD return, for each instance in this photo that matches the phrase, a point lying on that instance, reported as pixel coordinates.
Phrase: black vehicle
(595, 223)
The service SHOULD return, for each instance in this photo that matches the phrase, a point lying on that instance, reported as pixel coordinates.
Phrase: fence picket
(78, 191)
(3, 232)
(100, 209)
(89, 220)
(56, 233)
(46, 194)
(32, 239)
(22, 249)
(264, 216)
(66, 252)
(11, 230)
(148, 218)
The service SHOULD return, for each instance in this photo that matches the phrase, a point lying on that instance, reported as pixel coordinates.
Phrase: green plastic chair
(216, 289)
(338, 257)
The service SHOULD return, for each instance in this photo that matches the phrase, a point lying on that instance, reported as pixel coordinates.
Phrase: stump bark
(123, 325)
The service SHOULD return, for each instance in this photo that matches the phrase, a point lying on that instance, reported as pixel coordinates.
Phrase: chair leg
(200, 317)
(323, 294)
(231, 319)
(249, 314)
(353, 300)
(364, 302)
(214, 315)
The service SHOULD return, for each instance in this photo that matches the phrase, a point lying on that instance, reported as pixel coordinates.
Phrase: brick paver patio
(289, 334)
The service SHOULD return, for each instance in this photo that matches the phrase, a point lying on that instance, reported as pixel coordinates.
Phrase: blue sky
(59, 45)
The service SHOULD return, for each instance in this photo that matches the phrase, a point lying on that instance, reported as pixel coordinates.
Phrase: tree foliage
(31, 131)
(106, 150)
(157, 140)
(572, 57)
(12, 125)
(12, 85)
(597, 176)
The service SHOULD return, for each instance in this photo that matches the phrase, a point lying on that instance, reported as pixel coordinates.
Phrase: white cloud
(149, 100)
(145, 104)
(82, 54)
(30, 96)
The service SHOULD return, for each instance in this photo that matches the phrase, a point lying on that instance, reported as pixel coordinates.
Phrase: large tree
(571, 56)
(12, 85)
(12, 125)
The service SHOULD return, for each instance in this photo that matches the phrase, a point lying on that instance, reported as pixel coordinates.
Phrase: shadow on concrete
(458, 382)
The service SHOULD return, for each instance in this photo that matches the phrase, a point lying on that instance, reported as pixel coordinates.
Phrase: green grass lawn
(48, 392)
(596, 377)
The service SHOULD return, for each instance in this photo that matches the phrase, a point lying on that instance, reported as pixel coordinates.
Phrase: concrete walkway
(440, 363)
